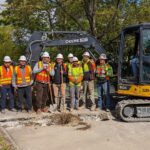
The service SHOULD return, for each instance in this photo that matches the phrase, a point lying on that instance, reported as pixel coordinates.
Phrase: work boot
(45, 110)
(93, 108)
(29, 111)
(82, 107)
(38, 111)
(13, 110)
(3, 111)
(107, 110)
(62, 109)
(19, 110)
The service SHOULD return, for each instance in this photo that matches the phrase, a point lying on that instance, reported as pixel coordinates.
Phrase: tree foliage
(104, 19)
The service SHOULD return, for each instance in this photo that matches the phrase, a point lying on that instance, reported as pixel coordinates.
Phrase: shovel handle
(50, 90)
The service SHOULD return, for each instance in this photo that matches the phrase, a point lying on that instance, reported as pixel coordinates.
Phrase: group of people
(51, 78)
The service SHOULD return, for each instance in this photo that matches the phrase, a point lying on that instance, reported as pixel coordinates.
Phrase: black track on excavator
(133, 110)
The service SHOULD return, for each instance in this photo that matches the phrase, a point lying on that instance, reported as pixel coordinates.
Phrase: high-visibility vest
(6, 76)
(52, 64)
(65, 65)
(43, 76)
(93, 65)
(75, 75)
(104, 71)
(85, 66)
(20, 76)
(69, 65)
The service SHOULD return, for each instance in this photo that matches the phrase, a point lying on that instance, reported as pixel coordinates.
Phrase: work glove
(31, 83)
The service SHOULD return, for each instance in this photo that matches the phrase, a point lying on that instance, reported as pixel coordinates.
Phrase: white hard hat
(23, 58)
(75, 59)
(102, 56)
(7, 59)
(45, 54)
(70, 55)
(59, 56)
(86, 54)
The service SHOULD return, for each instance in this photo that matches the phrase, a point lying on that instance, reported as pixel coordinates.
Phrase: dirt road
(103, 135)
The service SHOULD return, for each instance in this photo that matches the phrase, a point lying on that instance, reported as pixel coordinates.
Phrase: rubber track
(122, 104)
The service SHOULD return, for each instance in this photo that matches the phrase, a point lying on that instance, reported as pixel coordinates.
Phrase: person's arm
(14, 79)
(0, 76)
(36, 69)
(109, 71)
(31, 76)
(50, 70)
(80, 78)
(65, 69)
(91, 68)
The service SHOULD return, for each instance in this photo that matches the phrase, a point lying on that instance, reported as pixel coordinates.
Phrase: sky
(1, 2)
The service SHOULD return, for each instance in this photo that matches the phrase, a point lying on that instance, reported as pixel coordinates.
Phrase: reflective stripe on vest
(42, 76)
(75, 73)
(6, 76)
(85, 66)
(101, 71)
(104, 70)
(93, 65)
(20, 76)
(69, 65)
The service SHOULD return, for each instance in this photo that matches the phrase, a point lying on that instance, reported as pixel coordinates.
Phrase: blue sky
(2, 1)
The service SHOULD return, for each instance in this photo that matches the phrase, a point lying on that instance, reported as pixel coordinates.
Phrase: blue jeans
(4, 91)
(103, 89)
(25, 93)
(134, 64)
(74, 93)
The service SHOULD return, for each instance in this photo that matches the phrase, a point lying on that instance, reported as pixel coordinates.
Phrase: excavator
(133, 90)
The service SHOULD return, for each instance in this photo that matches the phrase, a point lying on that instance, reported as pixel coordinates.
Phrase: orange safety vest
(93, 64)
(19, 76)
(104, 71)
(42, 76)
(6, 76)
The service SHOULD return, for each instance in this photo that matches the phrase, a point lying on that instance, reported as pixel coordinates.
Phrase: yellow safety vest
(75, 75)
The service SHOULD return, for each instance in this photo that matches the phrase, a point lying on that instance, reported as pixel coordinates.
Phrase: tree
(103, 19)
(7, 46)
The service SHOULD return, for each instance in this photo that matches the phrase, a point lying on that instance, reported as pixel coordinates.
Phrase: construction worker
(42, 71)
(88, 80)
(59, 82)
(70, 58)
(22, 81)
(6, 73)
(103, 73)
(75, 75)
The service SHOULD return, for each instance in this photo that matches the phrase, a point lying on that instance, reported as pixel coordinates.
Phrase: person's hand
(32, 88)
(16, 87)
(76, 81)
(61, 71)
(48, 69)
(44, 67)
(0, 85)
(31, 82)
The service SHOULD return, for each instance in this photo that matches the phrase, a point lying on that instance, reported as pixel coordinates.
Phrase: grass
(4, 144)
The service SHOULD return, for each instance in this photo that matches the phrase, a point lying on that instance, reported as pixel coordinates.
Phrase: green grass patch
(4, 144)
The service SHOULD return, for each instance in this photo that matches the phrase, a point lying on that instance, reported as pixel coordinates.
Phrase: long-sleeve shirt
(36, 69)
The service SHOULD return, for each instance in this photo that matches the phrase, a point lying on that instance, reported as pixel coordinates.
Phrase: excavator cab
(134, 73)
(134, 61)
